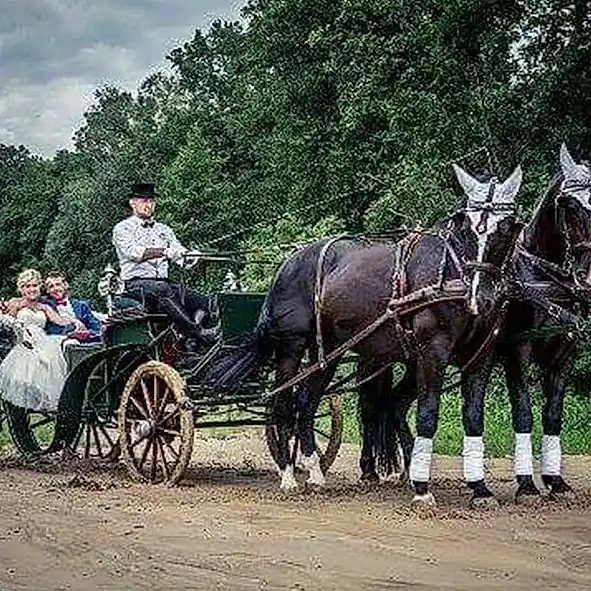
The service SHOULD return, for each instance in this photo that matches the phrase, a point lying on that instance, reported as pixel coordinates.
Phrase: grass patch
(498, 430)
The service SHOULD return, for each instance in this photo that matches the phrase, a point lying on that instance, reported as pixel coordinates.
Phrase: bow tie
(148, 224)
(61, 302)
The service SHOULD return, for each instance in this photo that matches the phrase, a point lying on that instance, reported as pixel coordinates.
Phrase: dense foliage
(311, 117)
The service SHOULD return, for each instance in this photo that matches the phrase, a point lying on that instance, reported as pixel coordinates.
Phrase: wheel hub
(142, 429)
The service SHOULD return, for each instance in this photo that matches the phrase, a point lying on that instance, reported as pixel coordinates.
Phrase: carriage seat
(75, 351)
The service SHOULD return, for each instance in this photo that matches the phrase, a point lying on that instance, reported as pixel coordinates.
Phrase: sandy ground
(85, 526)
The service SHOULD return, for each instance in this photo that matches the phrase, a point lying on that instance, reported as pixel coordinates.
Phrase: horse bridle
(559, 274)
(486, 208)
(566, 191)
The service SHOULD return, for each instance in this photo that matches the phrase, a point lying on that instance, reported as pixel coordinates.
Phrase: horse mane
(541, 235)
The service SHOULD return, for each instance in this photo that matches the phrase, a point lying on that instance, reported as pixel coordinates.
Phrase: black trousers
(173, 299)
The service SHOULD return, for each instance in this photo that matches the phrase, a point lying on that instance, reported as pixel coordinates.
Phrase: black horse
(553, 268)
(360, 280)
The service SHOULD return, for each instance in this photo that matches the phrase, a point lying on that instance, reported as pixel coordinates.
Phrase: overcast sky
(54, 53)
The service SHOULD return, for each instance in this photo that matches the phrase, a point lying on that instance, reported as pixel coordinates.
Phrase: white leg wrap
(473, 459)
(551, 461)
(524, 465)
(312, 464)
(420, 461)
(288, 481)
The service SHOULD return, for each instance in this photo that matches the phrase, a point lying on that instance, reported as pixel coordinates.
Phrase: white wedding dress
(34, 371)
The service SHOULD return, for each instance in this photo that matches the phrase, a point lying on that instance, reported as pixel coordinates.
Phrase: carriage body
(109, 384)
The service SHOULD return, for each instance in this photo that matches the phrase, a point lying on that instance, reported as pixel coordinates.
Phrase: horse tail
(385, 433)
(232, 368)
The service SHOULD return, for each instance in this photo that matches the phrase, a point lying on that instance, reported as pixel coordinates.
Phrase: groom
(56, 287)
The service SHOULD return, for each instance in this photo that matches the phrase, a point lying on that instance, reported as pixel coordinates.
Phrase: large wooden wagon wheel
(156, 424)
(328, 429)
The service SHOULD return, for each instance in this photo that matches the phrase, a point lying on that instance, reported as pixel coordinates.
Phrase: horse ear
(570, 169)
(469, 184)
(509, 189)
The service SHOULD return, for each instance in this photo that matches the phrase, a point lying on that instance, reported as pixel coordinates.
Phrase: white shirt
(131, 237)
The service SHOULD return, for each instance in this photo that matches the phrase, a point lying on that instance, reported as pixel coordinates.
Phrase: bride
(34, 371)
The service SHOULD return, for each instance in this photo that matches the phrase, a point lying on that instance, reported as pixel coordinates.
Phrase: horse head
(573, 214)
(488, 226)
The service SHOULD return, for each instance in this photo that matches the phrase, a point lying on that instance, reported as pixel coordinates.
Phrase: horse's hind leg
(289, 355)
(474, 382)
(554, 386)
(515, 362)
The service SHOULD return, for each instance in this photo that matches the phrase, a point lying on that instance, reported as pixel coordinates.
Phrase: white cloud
(55, 53)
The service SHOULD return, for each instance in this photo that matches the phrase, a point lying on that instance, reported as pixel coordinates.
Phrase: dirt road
(87, 527)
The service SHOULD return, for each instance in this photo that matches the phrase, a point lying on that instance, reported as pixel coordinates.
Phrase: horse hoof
(288, 481)
(316, 480)
(391, 478)
(484, 503)
(528, 499)
(558, 488)
(369, 479)
(424, 505)
(527, 492)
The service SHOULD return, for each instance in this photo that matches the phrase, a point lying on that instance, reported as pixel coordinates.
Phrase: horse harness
(562, 276)
(402, 302)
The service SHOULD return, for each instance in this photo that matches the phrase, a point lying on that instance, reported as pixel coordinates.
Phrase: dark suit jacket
(82, 312)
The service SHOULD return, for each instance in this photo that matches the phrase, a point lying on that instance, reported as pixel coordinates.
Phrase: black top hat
(145, 190)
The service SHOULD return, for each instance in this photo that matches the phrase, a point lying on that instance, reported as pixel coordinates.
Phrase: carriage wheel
(328, 429)
(98, 437)
(156, 424)
(31, 431)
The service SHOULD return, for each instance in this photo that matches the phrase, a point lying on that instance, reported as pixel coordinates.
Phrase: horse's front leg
(554, 380)
(474, 382)
(431, 364)
(308, 398)
(516, 361)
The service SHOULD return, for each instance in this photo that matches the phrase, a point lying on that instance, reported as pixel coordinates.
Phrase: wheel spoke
(163, 456)
(169, 416)
(104, 431)
(87, 445)
(149, 406)
(154, 459)
(171, 449)
(78, 438)
(155, 389)
(162, 404)
(144, 454)
(142, 410)
(169, 431)
(320, 432)
(99, 449)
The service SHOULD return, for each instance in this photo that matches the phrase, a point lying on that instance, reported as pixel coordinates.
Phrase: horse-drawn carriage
(466, 293)
(123, 395)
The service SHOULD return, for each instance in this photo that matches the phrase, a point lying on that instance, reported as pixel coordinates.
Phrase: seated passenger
(56, 287)
(33, 372)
